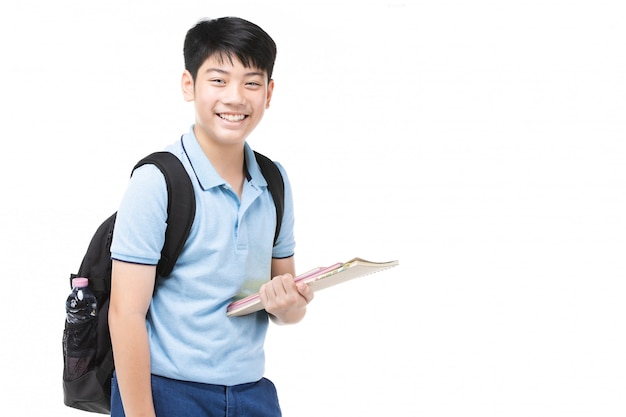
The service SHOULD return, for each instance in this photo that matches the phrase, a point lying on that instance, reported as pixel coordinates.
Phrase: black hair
(227, 37)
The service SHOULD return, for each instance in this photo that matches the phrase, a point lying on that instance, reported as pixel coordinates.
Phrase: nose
(234, 94)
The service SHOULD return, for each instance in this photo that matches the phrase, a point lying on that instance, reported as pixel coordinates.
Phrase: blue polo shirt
(228, 254)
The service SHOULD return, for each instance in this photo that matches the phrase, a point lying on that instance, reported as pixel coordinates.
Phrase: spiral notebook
(318, 279)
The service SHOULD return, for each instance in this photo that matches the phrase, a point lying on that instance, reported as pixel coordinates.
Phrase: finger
(263, 293)
(305, 291)
(283, 284)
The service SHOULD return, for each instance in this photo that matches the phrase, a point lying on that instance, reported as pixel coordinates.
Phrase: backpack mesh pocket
(79, 348)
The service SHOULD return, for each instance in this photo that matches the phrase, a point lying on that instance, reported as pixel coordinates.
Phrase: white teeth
(233, 117)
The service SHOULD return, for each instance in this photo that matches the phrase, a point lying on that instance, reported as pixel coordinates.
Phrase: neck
(227, 159)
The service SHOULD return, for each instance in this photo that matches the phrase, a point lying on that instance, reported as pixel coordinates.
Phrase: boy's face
(229, 99)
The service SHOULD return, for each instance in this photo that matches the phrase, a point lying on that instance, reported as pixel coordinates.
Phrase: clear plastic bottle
(79, 336)
(81, 305)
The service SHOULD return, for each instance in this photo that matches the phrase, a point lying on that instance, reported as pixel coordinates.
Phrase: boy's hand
(285, 300)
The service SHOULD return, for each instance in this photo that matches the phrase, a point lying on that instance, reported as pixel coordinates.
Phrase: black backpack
(92, 390)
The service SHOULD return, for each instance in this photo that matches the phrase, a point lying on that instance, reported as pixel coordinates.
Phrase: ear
(270, 91)
(187, 86)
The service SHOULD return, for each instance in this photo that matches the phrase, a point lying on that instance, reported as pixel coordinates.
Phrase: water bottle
(81, 305)
(79, 336)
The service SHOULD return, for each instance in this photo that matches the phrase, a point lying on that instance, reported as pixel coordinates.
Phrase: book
(318, 279)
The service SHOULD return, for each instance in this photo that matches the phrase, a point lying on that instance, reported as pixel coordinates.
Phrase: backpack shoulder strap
(276, 186)
(181, 206)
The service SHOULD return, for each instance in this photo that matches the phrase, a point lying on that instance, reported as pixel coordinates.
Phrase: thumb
(305, 291)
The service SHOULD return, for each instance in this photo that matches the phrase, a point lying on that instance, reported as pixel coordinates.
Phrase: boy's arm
(282, 298)
(131, 291)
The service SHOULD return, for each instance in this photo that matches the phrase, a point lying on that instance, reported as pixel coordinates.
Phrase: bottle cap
(80, 282)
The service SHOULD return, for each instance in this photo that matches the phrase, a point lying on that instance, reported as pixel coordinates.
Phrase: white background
(481, 143)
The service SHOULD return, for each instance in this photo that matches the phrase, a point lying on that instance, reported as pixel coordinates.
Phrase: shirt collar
(205, 172)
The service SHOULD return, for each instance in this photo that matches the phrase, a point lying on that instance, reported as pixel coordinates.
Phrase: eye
(217, 81)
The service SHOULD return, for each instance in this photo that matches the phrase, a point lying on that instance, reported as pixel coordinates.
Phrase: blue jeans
(173, 398)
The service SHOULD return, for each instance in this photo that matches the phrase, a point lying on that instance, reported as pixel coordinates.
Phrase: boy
(176, 352)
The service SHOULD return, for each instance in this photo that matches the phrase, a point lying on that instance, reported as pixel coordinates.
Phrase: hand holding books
(318, 279)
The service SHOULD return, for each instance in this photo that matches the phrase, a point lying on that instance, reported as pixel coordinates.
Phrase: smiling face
(229, 100)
